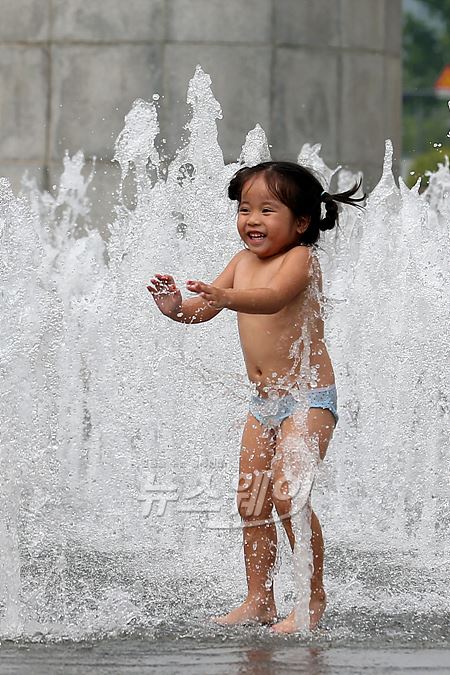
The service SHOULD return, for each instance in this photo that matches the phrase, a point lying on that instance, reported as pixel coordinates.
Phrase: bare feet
(317, 606)
(251, 611)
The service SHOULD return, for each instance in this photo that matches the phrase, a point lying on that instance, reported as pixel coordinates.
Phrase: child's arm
(286, 284)
(193, 310)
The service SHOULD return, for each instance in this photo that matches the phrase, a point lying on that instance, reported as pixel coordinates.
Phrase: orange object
(442, 84)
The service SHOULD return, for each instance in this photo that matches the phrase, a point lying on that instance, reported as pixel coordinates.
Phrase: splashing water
(120, 429)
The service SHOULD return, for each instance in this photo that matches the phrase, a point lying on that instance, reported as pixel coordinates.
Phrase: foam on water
(120, 429)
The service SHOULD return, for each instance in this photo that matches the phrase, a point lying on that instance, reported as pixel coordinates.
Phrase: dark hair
(298, 188)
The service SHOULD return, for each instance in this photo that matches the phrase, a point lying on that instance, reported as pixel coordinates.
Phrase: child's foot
(251, 611)
(317, 606)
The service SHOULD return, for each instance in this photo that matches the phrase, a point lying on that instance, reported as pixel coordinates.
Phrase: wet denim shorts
(271, 412)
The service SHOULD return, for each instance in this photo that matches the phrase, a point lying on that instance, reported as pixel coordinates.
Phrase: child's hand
(216, 297)
(166, 294)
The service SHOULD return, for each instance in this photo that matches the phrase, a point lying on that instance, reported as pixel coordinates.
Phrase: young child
(274, 284)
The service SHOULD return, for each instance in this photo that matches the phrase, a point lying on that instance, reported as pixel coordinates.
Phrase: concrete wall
(324, 71)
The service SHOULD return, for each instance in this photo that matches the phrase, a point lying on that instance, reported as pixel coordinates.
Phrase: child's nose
(253, 218)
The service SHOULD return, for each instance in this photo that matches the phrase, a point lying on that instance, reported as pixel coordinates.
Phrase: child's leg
(255, 506)
(317, 549)
(320, 425)
(320, 422)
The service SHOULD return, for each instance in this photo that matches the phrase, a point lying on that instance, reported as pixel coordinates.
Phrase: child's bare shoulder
(226, 278)
(299, 253)
(297, 258)
(244, 256)
(304, 262)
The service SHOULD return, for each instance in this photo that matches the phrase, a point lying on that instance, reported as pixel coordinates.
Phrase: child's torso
(274, 344)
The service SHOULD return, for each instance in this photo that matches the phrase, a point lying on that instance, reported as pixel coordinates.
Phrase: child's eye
(243, 210)
(267, 210)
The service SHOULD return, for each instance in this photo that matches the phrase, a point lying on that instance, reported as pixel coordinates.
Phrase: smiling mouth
(256, 235)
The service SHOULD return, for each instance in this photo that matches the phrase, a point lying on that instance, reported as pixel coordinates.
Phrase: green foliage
(440, 9)
(423, 58)
(427, 161)
(425, 122)
(426, 50)
(426, 44)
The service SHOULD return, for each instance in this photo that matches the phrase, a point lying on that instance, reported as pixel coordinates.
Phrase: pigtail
(331, 217)
(331, 205)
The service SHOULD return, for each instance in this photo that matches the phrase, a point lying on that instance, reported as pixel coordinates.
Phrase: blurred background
(426, 85)
(321, 71)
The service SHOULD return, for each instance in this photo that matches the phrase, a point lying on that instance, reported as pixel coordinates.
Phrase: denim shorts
(271, 412)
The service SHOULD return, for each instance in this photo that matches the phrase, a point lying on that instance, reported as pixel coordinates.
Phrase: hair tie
(325, 196)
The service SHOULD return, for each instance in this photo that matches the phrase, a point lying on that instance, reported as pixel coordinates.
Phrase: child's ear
(303, 224)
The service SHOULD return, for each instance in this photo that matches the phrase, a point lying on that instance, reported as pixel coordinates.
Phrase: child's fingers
(204, 290)
(156, 281)
(168, 278)
(162, 289)
(164, 286)
(197, 286)
(193, 286)
(162, 281)
(155, 289)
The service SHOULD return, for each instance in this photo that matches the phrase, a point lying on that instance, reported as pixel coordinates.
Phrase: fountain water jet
(121, 430)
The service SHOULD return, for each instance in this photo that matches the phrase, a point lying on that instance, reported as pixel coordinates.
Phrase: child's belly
(270, 362)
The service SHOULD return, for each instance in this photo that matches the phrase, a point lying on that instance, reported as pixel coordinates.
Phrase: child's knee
(283, 506)
(250, 514)
(281, 495)
(254, 495)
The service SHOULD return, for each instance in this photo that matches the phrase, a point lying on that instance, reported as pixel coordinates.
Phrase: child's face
(266, 225)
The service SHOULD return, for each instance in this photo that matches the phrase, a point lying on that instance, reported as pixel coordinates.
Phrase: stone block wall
(325, 71)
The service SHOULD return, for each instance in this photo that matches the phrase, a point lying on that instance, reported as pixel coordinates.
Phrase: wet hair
(298, 189)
